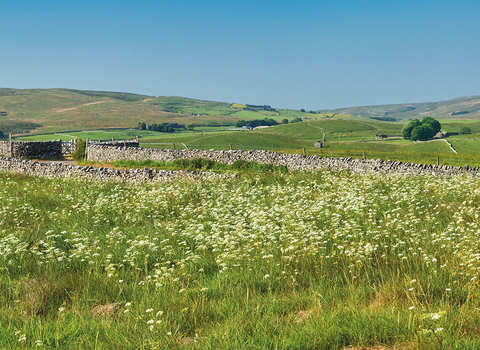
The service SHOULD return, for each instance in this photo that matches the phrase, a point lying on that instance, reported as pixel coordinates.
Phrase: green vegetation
(384, 119)
(116, 95)
(199, 164)
(256, 122)
(79, 154)
(423, 130)
(459, 113)
(296, 260)
(182, 105)
(464, 130)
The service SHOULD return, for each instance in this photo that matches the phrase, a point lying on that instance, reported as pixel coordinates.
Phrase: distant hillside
(461, 107)
(53, 110)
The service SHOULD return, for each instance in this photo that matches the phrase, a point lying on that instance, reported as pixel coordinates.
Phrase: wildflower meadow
(272, 260)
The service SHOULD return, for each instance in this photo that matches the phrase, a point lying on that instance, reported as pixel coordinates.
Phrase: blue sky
(287, 54)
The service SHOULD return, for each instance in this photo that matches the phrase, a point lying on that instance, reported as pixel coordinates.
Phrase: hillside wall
(32, 149)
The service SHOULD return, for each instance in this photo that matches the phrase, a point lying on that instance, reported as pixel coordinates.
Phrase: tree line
(264, 122)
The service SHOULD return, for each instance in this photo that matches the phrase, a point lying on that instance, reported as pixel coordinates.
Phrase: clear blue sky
(287, 54)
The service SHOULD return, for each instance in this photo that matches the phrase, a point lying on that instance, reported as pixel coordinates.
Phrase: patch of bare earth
(105, 310)
(403, 346)
(74, 108)
(302, 316)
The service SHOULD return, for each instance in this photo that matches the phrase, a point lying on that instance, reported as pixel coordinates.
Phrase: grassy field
(296, 260)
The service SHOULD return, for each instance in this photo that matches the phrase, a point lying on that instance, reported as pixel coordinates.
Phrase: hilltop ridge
(55, 110)
(468, 107)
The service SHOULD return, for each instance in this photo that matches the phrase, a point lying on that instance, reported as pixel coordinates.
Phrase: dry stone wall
(291, 161)
(62, 170)
(32, 149)
(5, 149)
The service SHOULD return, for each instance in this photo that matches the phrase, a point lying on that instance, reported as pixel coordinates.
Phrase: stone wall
(116, 143)
(5, 148)
(291, 161)
(32, 149)
(62, 170)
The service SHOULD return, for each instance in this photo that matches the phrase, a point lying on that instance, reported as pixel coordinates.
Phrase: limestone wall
(5, 148)
(291, 161)
(32, 149)
(62, 170)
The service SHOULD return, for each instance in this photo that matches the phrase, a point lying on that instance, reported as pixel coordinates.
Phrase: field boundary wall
(32, 149)
(102, 153)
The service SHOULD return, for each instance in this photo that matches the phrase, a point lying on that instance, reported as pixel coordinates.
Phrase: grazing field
(297, 260)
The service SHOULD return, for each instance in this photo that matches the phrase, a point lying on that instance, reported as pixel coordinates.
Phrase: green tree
(285, 121)
(143, 126)
(421, 130)
(465, 130)
(407, 131)
(422, 133)
(1, 134)
(190, 126)
(240, 123)
(433, 123)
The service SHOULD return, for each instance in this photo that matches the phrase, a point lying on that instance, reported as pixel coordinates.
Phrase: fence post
(112, 141)
(304, 152)
(124, 143)
(438, 160)
(364, 156)
(11, 145)
(137, 138)
(230, 146)
(173, 143)
(86, 149)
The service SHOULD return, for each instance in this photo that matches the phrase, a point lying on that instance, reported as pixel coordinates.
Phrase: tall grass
(297, 260)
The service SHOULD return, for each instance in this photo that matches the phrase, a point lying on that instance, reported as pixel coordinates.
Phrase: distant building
(440, 135)
(243, 128)
(261, 127)
(318, 144)
(381, 136)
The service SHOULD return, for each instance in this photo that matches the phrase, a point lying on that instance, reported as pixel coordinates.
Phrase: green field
(296, 260)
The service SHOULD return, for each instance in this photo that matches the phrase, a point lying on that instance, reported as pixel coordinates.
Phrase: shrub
(79, 154)
(296, 120)
(465, 130)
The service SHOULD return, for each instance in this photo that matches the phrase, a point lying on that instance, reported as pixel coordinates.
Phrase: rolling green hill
(56, 110)
(461, 108)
